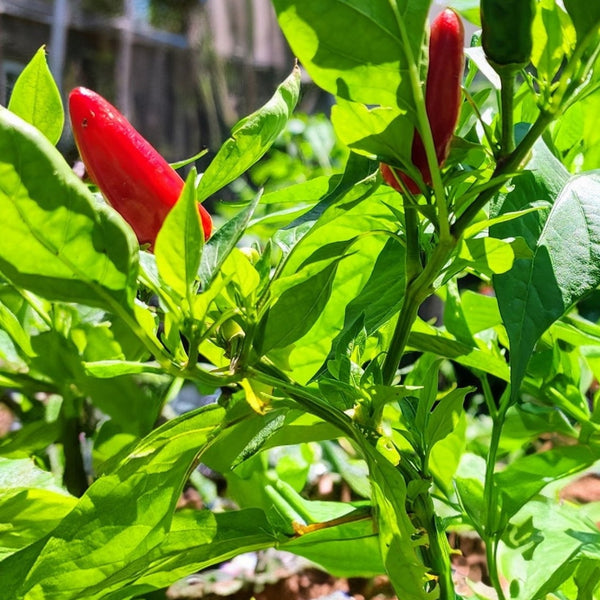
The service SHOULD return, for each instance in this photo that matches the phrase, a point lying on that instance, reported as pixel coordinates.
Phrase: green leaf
(525, 477)
(480, 310)
(220, 245)
(96, 550)
(445, 416)
(446, 455)
(380, 297)
(36, 98)
(77, 251)
(369, 66)
(10, 324)
(251, 138)
(195, 541)
(297, 309)
(23, 473)
(489, 255)
(347, 549)
(553, 37)
(471, 497)
(363, 214)
(31, 504)
(354, 471)
(28, 514)
(426, 338)
(398, 539)
(564, 268)
(547, 542)
(179, 243)
(306, 192)
(469, 9)
(379, 132)
(585, 16)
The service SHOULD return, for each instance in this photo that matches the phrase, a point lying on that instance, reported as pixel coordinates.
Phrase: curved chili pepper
(442, 97)
(135, 179)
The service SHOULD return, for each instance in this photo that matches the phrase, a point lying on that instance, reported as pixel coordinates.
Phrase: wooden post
(124, 60)
(57, 46)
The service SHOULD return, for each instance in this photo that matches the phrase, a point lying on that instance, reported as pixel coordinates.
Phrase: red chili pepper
(135, 179)
(442, 96)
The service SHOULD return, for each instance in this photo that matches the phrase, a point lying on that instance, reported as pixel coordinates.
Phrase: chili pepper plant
(311, 335)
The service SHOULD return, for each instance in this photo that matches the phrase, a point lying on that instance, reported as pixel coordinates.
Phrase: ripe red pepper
(135, 179)
(442, 96)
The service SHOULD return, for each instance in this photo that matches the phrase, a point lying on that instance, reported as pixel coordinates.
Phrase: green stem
(488, 395)
(490, 529)
(413, 248)
(507, 91)
(416, 292)
(437, 555)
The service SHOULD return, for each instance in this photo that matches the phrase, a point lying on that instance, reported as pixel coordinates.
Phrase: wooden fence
(183, 90)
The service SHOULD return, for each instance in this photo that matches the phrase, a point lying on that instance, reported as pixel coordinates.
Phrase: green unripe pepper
(507, 37)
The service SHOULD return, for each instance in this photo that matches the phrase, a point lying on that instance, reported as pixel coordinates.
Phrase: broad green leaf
(297, 309)
(379, 299)
(469, 485)
(195, 541)
(23, 473)
(28, 514)
(446, 454)
(469, 9)
(36, 99)
(345, 550)
(547, 542)
(31, 438)
(237, 270)
(337, 535)
(358, 170)
(77, 251)
(368, 67)
(220, 245)
(553, 37)
(489, 255)
(107, 369)
(96, 550)
(564, 268)
(179, 243)
(454, 317)
(354, 471)
(445, 416)
(585, 16)
(471, 497)
(376, 132)
(426, 376)
(480, 310)
(10, 324)
(579, 145)
(251, 138)
(306, 192)
(525, 477)
(543, 181)
(255, 433)
(132, 402)
(362, 214)
(31, 504)
(426, 338)
(587, 578)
